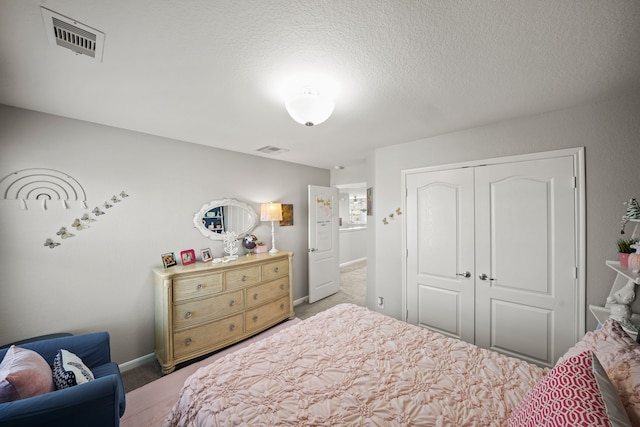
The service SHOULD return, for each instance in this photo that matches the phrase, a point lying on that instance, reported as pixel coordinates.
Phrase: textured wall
(610, 133)
(101, 279)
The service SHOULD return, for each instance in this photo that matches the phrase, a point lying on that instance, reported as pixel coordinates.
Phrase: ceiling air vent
(71, 34)
(269, 149)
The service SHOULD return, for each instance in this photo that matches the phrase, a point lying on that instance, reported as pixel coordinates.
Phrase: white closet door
(526, 246)
(440, 246)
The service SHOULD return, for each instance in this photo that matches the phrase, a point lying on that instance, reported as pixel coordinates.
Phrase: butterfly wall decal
(79, 225)
(51, 243)
(64, 233)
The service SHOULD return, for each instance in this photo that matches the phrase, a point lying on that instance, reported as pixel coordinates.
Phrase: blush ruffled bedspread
(352, 366)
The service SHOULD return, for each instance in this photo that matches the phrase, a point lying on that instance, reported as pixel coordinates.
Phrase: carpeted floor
(352, 290)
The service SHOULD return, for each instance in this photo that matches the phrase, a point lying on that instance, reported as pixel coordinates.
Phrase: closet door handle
(485, 277)
(465, 274)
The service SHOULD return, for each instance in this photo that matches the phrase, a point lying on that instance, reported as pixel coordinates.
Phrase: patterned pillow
(575, 393)
(69, 370)
(620, 357)
(23, 373)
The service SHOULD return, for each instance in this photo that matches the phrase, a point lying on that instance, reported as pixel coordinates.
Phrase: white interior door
(526, 246)
(323, 252)
(440, 246)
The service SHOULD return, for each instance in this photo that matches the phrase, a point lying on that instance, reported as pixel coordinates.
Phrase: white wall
(101, 279)
(353, 245)
(610, 133)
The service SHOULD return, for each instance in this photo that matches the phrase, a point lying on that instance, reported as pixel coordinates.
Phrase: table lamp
(271, 212)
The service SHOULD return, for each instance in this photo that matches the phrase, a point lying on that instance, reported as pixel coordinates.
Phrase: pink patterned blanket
(351, 366)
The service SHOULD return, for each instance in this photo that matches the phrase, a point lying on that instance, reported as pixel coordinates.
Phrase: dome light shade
(309, 107)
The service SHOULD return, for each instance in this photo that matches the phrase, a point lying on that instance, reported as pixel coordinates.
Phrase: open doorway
(353, 222)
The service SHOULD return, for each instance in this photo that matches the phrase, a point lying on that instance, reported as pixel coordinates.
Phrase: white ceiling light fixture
(310, 107)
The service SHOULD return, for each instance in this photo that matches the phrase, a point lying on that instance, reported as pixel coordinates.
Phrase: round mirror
(219, 216)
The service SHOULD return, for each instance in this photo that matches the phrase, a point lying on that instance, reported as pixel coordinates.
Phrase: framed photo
(188, 257)
(206, 255)
(287, 215)
(169, 260)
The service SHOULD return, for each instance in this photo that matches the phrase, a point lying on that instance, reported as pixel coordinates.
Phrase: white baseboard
(300, 301)
(127, 366)
(353, 261)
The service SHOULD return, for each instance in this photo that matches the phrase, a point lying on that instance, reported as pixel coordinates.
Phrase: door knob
(312, 250)
(485, 277)
(465, 274)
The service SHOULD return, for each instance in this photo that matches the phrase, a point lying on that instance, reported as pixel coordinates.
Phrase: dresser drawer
(193, 312)
(242, 277)
(274, 270)
(267, 314)
(257, 295)
(209, 335)
(198, 285)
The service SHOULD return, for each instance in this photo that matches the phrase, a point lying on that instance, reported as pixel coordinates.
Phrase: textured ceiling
(210, 71)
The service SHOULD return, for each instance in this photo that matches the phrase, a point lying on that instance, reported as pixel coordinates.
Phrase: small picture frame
(169, 260)
(287, 215)
(206, 255)
(188, 256)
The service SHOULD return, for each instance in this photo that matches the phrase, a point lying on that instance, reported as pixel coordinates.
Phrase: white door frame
(580, 217)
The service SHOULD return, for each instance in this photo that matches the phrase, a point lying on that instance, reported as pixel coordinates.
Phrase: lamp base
(273, 251)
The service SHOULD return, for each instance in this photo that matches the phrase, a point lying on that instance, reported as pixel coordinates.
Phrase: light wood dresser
(202, 307)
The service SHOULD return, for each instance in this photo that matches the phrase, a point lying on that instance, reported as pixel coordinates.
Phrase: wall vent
(270, 149)
(71, 34)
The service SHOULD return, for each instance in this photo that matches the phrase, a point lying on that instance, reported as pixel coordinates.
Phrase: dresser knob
(187, 341)
(232, 327)
(244, 278)
(255, 296)
(282, 286)
(199, 286)
(232, 303)
(281, 306)
(255, 318)
(277, 269)
(187, 315)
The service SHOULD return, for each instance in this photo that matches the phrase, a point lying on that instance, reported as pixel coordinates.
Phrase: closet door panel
(440, 250)
(525, 245)
(520, 232)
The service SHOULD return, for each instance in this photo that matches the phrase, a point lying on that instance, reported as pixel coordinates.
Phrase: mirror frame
(197, 219)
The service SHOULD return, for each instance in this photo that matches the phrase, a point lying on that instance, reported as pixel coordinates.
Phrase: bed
(352, 366)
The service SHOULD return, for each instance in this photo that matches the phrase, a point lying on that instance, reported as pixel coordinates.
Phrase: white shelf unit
(623, 277)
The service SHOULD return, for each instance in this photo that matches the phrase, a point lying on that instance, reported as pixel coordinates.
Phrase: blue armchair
(100, 402)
